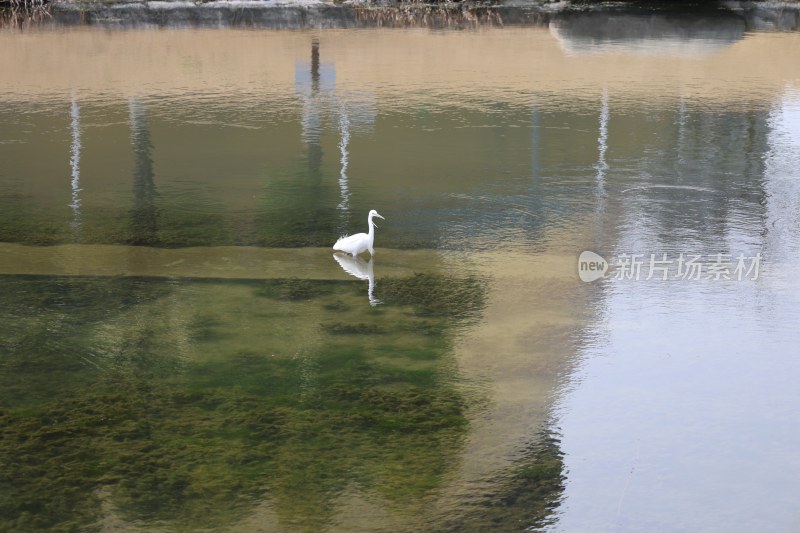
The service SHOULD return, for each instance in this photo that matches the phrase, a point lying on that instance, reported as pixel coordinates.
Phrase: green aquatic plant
(436, 295)
(185, 404)
(339, 328)
(526, 494)
(181, 226)
(22, 221)
(200, 454)
(293, 289)
(43, 329)
(337, 305)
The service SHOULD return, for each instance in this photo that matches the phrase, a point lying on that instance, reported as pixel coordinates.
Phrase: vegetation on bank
(32, 4)
(39, 4)
(23, 4)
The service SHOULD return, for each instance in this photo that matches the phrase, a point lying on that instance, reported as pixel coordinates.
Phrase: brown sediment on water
(513, 61)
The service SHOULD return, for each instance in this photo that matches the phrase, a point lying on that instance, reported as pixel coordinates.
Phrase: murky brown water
(180, 350)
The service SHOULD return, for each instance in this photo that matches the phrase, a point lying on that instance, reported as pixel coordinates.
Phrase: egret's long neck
(371, 227)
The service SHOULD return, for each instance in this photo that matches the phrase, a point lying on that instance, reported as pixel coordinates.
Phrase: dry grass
(25, 4)
(21, 14)
(416, 13)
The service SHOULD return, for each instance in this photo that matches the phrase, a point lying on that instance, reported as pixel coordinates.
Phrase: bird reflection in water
(355, 266)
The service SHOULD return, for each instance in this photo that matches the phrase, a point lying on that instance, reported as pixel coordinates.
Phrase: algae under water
(184, 402)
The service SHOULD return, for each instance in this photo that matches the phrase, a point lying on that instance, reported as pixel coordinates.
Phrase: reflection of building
(782, 181)
(315, 84)
(685, 190)
(666, 174)
(646, 33)
(682, 369)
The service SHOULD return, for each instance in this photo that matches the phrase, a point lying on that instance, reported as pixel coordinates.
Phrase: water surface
(180, 350)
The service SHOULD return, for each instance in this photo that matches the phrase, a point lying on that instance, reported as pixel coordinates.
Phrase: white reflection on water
(535, 138)
(683, 415)
(357, 267)
(344, 140)
(782, 168)
(601, 167)
(315, 85)
(602, 143)
(74, 163)
(355, 111)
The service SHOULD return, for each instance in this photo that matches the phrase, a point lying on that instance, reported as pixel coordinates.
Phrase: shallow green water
(183, 402)
(180, 351)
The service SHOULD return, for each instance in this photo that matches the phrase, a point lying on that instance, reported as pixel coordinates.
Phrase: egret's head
(372, 214)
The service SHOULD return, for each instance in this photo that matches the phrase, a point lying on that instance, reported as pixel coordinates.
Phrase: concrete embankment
(303, 14)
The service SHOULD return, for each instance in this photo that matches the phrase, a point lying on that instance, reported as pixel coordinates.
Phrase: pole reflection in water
(315, 64)
(601, 168)
(144, 215)
(314, 145)
(344, 130)
(75, 171)
(536, 119)
(681, 137)
(315, 85)
(312, 82)
(356, 114)
(602, 144)
(782, 163)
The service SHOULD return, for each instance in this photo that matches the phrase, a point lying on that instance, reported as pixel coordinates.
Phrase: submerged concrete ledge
(221, 262)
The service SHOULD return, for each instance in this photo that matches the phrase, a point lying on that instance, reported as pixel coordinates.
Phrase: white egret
(360, 242)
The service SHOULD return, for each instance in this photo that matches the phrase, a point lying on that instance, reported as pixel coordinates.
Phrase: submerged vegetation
(186, 404)
(436, 295)
(526, 494)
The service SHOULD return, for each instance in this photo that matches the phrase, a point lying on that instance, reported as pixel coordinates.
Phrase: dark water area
(180, 348)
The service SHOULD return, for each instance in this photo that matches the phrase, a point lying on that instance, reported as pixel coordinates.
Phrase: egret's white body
(360, 242)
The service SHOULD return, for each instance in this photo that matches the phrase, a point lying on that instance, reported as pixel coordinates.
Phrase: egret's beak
(377, 215)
